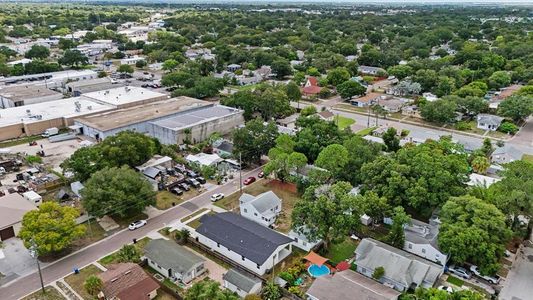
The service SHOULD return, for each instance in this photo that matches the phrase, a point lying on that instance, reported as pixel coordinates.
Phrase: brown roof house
(349, 285)
(12, 208)
(127, 281)
(326, 115)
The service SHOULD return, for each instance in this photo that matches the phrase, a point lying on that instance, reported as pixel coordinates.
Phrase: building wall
(385, 280)
(11, 131)
(243, 261)
(248, 211)
(186, 277)
(426, 251)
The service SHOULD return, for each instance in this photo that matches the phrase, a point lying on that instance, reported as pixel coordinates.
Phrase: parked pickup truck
(492, 279)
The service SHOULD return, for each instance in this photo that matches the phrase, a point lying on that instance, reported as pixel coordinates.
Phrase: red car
(249, 180)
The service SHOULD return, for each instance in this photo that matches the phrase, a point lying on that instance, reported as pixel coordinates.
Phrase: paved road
(25, 285)
(522, 141)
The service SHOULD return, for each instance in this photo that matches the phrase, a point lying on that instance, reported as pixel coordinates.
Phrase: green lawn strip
(196, 222)
(455, 281)
(341, 251)
(24, 140)
(343, 122)
(164, 200)
(76, 281)
(365, 131)
(196, 213)
(527, 157)
(51, 294)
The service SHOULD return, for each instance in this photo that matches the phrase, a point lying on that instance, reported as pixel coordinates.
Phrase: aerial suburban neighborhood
(275, 150)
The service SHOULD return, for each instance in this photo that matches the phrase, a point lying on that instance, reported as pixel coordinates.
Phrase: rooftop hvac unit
(28, 112)
(89, 107)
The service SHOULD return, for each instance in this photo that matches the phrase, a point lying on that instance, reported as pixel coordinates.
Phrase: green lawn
(455, 281)
(365, 131)
(196, 222)
(51, 294)
(164, 200)
(76, 281)
(24, 140)
(341, 251)
(94, 232)
(343, 122)
(124, 222)
(527, 157)
(287, 197)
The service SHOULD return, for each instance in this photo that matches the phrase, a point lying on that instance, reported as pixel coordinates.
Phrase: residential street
(54, 271)
(522, 141)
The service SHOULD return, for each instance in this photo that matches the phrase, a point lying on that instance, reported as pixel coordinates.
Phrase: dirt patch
(287, 186)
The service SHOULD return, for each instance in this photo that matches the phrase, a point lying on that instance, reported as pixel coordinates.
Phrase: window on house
(410, 246)
(243, 259)
(258, 266)
(218, 245)
(424, 251)
(245, 210)
(363, 270)
(255, 214)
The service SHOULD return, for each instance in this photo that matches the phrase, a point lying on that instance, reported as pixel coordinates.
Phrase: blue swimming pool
(317, 271)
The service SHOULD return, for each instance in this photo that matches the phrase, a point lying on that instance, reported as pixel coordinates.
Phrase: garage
(13, 207)
(7, 233)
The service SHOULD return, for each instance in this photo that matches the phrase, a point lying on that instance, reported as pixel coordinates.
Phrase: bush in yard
(32, 159)
(296, 290)
(462, 125)
(508, 127)
(252, 297)
(129, 253)
(93, 285)
(324, 92)
(285, 275)
(404, 133)
(271, 291)
(185, 234)
(378, 273)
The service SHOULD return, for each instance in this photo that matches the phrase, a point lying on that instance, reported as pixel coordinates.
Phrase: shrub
(93, 285)
(404, 133)
(129, 253)
(252, 297)
(508, 127)
(296, 290)
(378, 273)
(287, 276)
(32, 159)
(166, 230)
(324, 92)
(462, 125)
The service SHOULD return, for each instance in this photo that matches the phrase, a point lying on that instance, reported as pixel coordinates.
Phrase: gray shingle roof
(151, 172)
(400, 266)
(263, 202)
(489, 119)
(170, 255)
(240, 280)
(245, 237)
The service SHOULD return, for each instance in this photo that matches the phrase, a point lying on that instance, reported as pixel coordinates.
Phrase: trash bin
(135, 241)
(76, 270)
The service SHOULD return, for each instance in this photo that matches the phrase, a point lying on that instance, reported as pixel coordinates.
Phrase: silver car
(459, 271)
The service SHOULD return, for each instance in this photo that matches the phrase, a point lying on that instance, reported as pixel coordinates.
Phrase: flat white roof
(50, 110)
(123, 95)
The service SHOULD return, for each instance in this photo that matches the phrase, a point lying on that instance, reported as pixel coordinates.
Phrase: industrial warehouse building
(169, 120)
(26, 94)
(34, 119)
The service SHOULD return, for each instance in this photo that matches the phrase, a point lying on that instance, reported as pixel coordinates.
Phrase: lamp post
(34, 254)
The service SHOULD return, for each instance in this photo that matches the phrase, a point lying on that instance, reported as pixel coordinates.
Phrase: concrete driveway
(518, 285)
(15, 261)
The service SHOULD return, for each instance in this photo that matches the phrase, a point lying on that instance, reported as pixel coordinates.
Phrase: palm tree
(93, 285)
(480, 164)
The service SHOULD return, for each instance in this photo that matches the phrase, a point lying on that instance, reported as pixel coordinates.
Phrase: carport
(12, 208)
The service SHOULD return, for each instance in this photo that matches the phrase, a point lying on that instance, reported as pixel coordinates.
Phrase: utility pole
(368, 116)
(240, 172)
(34, 254)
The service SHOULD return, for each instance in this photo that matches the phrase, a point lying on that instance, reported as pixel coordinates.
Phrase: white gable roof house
(263, 208)
(403, 270)
(488, 122)
(421, 239)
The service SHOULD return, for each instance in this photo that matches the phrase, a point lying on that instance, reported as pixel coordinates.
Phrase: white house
(301, 241)
(263, 208)
(247, 243)
(241, 283)
(131, 60)
(481, 180)
(421, 239)
(488, 122)
(173, 261)
(403, 270)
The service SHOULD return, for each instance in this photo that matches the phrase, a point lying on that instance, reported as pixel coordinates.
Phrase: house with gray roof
(263, 208)
(241, 283)
(505, 154)
(173, 261)
(488, 122)
(403, 270)
(249, 244)
(421, 240)
(368, 70)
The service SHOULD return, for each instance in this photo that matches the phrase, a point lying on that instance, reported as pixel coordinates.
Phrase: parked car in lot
(249, 180)
(176, 191)
(261, 174)
(201, 180)
(137, 224)
(492, 279)
(459, 271)
(184, 186)
(180, 168)
(216, 197)
(191, 173)
(194, 183)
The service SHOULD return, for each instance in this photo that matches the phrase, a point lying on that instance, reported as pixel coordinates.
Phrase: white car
(216, 197)
(137, 224)
(446, 288)
(491, 279)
